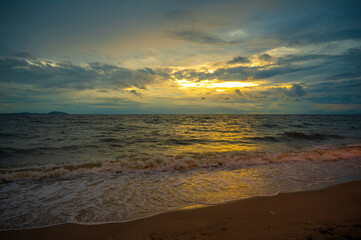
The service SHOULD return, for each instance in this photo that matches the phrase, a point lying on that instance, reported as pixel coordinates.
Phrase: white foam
(97, 198)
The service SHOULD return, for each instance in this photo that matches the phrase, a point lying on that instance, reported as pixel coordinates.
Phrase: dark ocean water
(101, 168)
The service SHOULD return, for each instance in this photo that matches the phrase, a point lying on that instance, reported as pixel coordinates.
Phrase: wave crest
(182, 163)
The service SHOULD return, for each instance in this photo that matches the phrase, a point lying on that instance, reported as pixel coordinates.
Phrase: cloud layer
(191, 57)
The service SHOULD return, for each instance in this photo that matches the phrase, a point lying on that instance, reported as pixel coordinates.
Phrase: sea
(92, 169)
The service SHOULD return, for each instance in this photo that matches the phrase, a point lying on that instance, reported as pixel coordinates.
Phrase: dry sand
(332, 213)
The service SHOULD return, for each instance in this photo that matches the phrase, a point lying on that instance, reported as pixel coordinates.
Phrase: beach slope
(331, 213)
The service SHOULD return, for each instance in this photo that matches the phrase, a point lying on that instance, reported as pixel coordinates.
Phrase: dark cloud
(281, 70)
(102, 67)
(326, 36)
(295, 91)
(239, 60)
(265, 57)
(256, 96)
(308, 24)
(103, 90)
(293, 58)
(47, 74)
(352, 54)
(271, 95)
(238, 93)
(135, 92)
(23, 55)
(335, 92)
(224, 98)
(343, 76)
(201, 37)
(241, 73)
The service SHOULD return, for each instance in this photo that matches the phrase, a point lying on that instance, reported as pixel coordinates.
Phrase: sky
(168, 56)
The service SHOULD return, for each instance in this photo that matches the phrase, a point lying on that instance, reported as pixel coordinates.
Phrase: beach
(331, 213)
(180, 120)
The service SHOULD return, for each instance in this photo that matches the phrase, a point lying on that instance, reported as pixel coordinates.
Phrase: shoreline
(332, 211)
(332, 181)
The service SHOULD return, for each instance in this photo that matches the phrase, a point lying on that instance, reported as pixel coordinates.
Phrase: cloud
(295, 91)
(297, 58)
(343, 76)
(274, 43)
(265, 57)
(270, 95)
(325, 36)
(23, 68)
(135, 92)
(241, 73)
(103, 90)
(202, 37)
(254, 96)
(238, 93)
(224, 98)
(352, 54)
(341, 91)
(23, 55)
(297, 26)
(298, 65)
(239, 60)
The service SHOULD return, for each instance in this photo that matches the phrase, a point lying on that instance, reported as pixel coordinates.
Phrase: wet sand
(331, 213)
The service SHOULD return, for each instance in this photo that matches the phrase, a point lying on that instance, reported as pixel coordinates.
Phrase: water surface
(101, 168)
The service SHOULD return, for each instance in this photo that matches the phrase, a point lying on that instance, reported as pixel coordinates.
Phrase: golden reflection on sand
(223, 185)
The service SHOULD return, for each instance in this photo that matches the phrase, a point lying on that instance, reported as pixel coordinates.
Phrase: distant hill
(57, 113)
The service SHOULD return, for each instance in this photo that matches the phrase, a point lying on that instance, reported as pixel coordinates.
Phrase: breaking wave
(231, 160)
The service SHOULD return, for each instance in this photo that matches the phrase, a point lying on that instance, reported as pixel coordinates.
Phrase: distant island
(50, 113)
(56, 113)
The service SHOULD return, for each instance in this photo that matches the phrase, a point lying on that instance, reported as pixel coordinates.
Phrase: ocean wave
(42, 150)
(232, 160)
(312, 136)
(111, 140)
(297, 136)
(266, 138)
(6, 135)
(297, 125)
(270, 125)
(190, 141)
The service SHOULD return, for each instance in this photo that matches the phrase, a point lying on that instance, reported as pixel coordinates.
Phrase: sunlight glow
(214, 84)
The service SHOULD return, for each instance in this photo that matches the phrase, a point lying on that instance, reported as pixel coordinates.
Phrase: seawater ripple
(32, 139)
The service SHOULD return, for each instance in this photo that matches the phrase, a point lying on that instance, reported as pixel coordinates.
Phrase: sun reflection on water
(213, 135)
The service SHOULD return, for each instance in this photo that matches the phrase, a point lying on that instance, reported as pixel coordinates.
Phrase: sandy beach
(331, 213)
